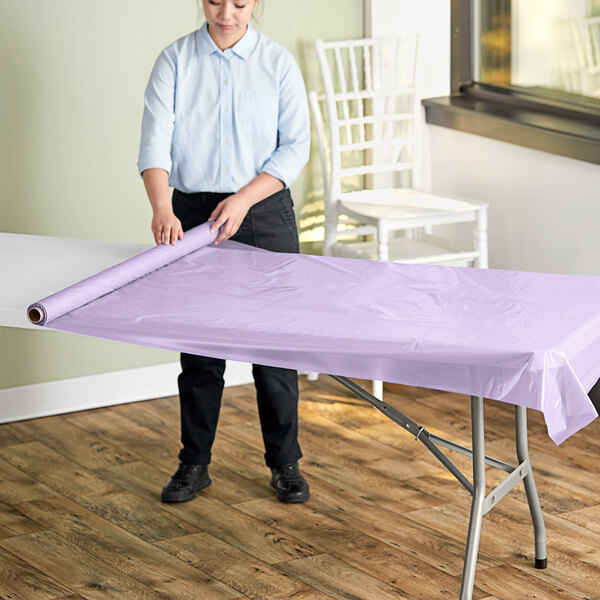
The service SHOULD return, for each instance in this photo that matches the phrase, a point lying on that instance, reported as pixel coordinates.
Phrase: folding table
(529, 339)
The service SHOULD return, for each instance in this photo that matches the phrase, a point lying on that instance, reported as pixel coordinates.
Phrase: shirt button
(226, 170)
(226, 140)
(226, 81)
(226, 109)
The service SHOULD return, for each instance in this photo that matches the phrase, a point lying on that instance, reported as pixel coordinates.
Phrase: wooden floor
(80, 515)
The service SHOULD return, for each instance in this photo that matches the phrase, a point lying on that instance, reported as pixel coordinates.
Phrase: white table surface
(35, 266)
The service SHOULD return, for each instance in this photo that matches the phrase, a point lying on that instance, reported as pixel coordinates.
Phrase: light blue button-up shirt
(214, 119)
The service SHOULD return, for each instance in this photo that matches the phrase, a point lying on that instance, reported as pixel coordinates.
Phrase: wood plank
(575, 475)
(79, 445)
(245, 460)
(162, 418)
(339, 580)
(507, 531)
(453, 521)
(10, 435)
(386, 525)
(246, 533)
(589, 518)
(226, 523)
(392, 435)
(506, 581)
(54, 470)
(391, 563)
(108, 543)
(228, 486)
(17, 485)
(14, 522)
(357, 479)
(125, 434)
(147, 520)
(54, 556)
(563, 535)
(567, 573)
(164, 413)
(21, 581)
(140, 478)
(337, 404)
(444, 411)
(331, 438)
(338, 502)
(405, 533)
(237, 569)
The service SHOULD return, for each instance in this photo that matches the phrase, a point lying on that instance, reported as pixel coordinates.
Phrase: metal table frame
(481, 503)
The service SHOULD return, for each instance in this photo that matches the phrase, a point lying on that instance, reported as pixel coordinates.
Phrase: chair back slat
(370, 119)
(372, 144)
(314, 102)
(367, 67)
(344, 90)
(356, 89)
(370, 108)
(369, 94)
(380, 168)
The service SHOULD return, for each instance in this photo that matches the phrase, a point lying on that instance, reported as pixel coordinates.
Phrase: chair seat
(428, 250)
(406, 205)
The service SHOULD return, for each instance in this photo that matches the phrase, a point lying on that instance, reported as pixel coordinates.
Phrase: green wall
(72, 78)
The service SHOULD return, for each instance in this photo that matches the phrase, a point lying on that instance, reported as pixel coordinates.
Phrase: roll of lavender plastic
(117, 276)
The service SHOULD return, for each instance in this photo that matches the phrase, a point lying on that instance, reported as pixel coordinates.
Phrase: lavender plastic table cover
(529, 339)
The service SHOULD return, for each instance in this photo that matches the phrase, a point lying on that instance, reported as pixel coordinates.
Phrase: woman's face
(227, 19)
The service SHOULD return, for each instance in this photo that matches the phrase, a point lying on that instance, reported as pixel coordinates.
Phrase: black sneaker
(184, 484)
(289, 483)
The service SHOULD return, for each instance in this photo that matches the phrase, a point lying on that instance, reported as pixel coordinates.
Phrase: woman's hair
(257, 12)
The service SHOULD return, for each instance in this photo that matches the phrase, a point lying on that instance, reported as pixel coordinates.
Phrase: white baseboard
(104, 389)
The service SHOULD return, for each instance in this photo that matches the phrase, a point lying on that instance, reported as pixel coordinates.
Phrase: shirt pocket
(258, 113)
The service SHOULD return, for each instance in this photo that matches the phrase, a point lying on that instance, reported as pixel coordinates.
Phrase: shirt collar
(242, 48)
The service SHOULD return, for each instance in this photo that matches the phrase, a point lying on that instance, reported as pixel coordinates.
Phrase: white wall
(430, 19)
(544, 208)
(72, 79)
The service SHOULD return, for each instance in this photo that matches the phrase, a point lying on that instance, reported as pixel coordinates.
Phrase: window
(551, 44)
(526, 72)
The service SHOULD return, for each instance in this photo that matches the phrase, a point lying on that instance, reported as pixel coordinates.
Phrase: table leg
(533, 500)
(477, 425)
(481, 503)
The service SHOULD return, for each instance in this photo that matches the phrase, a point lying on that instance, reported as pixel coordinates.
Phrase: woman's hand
(166, 227)
(229, 214)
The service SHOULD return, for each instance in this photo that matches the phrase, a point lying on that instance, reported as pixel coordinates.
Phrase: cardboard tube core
(35, 315)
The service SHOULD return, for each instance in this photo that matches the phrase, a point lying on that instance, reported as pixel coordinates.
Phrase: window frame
(540, 118)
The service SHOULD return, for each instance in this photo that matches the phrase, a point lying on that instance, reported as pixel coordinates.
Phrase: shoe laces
(183, 471)
(291, 473)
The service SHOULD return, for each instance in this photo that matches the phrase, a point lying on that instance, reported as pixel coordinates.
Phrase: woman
(226, 125)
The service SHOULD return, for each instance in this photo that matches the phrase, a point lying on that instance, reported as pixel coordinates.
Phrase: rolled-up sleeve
(293, 128)
(158, 119)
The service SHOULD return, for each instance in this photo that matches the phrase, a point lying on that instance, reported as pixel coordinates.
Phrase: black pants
(594, 395)
(271, 225)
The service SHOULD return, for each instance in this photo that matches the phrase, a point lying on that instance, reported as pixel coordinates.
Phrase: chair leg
(539, 528)
(481, 238)
(378, 389)
(476, 519)
(382, 241)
